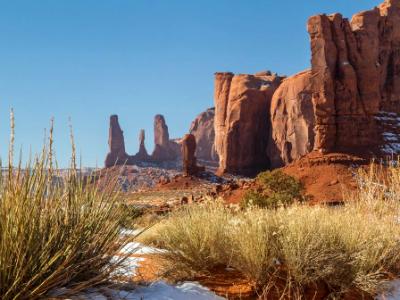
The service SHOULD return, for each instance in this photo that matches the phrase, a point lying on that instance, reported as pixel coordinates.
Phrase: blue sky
(87, 59)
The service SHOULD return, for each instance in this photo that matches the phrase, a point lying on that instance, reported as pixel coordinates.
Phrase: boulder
(203, 130)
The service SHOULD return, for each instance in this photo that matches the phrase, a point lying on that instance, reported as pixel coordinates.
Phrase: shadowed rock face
(188, 154)
(242, 120)
(203, 130)
(292, 120)
(116, 154)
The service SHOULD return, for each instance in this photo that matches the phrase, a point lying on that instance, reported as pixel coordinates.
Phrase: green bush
(277, 189)
(278, 182)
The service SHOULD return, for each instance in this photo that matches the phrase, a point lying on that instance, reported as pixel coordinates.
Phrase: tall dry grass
(354, 247)
(54, 233)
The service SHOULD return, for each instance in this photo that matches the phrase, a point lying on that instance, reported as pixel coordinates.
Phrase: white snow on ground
(130, 232)
(393, 291)
(163, 291)
(137, 248)
(130, 264)
(392, 139)
(156, 291)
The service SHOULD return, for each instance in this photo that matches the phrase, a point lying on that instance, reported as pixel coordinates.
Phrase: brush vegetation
(275, 189)
(54, 233)
(353, 247)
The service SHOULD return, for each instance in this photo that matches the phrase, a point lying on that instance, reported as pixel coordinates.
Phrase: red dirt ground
(326, 177)
(232, 285)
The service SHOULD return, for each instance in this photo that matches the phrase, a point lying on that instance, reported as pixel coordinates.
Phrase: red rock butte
(349, 101)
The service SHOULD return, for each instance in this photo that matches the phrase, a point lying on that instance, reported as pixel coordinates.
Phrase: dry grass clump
(196, 238)
(354, 247)
(54, 233)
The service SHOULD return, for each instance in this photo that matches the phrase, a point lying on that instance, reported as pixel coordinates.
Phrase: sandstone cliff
(349, 101)
(352, 89)
(242, 120)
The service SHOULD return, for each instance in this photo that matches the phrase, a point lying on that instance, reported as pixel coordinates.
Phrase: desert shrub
(278, 182)
(253, 198)
(132, 214)
(356, 246)
(196, 238)
(54, 233)
(252, 237)
(277, 189)
(312, 247)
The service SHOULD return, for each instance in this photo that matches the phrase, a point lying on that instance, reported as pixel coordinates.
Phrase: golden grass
(353, 247)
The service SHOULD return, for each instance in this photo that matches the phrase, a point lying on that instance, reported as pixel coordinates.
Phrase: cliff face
(355, 77)
(348, 102)
(292, 115)
(241, 120)
(202, 128)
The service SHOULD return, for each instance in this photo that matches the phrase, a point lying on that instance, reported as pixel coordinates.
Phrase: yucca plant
(56, 230)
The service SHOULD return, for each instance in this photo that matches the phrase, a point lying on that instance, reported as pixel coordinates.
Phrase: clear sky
(88, 59)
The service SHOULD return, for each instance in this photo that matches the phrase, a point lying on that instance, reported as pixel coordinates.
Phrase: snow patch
(156, 291)
(391, 123)
(138, 248)
(393, 291)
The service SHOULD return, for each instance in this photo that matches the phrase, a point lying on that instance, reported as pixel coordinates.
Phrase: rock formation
(292, 120)
(142, 154)
(242, 120)
(164, 149)
(349, 101)
(203, 130)
(116, 154)
(188, 154)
